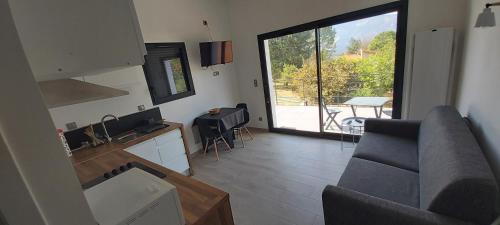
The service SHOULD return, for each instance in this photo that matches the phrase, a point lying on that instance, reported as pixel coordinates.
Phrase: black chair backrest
(246, 113)
(242, 106)
(206, 129)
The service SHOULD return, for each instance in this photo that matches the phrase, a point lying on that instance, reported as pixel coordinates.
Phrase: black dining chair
(242, 126)
(211, 134)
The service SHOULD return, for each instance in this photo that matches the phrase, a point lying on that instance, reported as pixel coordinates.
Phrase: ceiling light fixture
(487, 17)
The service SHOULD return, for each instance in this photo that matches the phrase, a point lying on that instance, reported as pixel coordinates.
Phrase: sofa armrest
(346, 207)
(401, 128)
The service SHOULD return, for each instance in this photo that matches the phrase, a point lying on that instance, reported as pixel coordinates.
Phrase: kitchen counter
(85, 154)
(201, 203)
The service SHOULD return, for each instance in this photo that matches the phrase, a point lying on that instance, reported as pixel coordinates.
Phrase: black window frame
(158, 76)
(400, 6)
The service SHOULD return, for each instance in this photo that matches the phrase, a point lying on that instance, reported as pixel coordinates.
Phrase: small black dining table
(225, 121)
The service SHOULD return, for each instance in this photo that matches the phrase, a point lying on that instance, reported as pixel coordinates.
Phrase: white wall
(478, 93)
(241, 21)
(250, 18)
(38, 183)
(167, 21)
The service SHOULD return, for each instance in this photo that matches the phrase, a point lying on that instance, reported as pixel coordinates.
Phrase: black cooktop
(121, 169)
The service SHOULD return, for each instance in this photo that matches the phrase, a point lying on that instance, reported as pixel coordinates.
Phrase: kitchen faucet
(104, 126)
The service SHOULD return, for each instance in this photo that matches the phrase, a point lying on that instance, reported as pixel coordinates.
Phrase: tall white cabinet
(167, 150)
(63, 38)
(432, 73)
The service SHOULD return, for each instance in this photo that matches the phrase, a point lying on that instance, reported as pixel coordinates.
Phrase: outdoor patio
(306, 118)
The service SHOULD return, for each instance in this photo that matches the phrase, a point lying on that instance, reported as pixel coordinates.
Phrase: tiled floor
(276, 178)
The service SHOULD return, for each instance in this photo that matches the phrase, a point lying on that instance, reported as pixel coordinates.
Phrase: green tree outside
(327, 42)
(354, 46)
(381, 41)
(290, 50)
(294, 66)
(377, 71)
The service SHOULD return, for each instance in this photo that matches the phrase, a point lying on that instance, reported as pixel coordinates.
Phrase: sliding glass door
(292, 75)
(357, 71)
(327, 77)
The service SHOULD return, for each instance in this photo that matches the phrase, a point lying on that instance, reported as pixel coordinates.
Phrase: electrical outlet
(71, 126)
(141, 108)
(255, 83)
(216, 73)
(260, 119)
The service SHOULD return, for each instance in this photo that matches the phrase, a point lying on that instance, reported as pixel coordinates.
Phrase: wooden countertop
(89, 153)
(198, 199)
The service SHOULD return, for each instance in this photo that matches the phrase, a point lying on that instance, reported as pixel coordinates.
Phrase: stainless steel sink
(126, 138)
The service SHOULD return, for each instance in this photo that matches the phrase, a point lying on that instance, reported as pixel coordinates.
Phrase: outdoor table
(376, 102)
(225, 121)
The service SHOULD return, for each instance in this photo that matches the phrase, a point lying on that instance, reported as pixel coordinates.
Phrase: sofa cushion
(390, 150)
(455, 179)
(382, 181)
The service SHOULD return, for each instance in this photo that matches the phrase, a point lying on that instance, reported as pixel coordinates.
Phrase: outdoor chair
(331, 114)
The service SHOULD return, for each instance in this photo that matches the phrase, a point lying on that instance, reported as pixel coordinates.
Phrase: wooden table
(201, 203)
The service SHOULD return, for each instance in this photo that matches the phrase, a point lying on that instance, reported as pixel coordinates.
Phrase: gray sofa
(414, 173)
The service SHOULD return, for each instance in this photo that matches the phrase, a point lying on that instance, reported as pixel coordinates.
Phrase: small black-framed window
(167, 72)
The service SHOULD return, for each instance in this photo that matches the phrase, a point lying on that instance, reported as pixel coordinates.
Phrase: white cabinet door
(178, 164)
(168, 137)
(166, 150)
(172, 151)
(65, 38)
(146, 150)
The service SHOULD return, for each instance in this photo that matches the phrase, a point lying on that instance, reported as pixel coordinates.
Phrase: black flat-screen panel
(214, 53)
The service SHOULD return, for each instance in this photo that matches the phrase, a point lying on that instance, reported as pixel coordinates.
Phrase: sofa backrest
(455, 178)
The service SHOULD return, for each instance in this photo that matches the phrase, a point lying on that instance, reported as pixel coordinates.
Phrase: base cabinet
(167, 150)
(179, 164)
(146, 150)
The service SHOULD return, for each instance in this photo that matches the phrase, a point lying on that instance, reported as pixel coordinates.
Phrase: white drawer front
(178, 164)
(146, 150)
(168, 137)
(172, 149)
